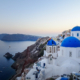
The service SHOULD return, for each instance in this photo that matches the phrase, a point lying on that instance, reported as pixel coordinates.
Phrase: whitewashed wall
(64, 51)
(54, 53)
(75, 34)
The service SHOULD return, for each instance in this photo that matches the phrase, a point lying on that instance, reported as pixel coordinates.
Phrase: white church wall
(51, 50)
(47, 54)
(63, 51)
(54, 50)
(59, 54)
(55, 55)
(77, 58)
(66, 51)
(74, 34)
(78, 53)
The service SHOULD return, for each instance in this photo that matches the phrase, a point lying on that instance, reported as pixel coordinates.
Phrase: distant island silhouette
(18, 37)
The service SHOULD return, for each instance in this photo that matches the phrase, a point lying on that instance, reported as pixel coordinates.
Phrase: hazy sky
(39, 17)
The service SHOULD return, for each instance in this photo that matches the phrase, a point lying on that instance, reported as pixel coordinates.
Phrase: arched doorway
(50, 59)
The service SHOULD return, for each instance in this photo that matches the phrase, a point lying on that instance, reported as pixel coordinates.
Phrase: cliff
(18, 37)
(29, 56)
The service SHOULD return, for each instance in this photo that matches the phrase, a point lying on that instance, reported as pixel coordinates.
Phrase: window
(54, 49)
(70, 54)
(79, 54)
(50, 49)
(77, 34)
(62, 52)
(72, 34)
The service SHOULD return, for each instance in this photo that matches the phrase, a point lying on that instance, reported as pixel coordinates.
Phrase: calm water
(5, 64)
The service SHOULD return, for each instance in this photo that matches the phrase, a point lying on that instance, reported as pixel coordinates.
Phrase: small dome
(70, 42)
(76, 28)
(51, 42)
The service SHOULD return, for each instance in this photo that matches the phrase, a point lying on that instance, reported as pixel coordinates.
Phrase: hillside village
(60, 59)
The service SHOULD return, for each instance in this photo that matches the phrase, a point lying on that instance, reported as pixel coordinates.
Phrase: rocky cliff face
(8, 55)
(29, 56)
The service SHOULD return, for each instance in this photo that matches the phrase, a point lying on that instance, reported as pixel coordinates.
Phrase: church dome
(51, 42)
(76, 28)
(70, 42)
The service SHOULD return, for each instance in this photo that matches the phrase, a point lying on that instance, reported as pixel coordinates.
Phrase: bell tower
(51, 48)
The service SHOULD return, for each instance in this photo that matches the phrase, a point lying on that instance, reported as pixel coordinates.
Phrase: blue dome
(70, 42)
(51, 42)
(76, 28)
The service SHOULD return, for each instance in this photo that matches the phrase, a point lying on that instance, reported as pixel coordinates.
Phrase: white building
(75, 32)
(70, 47)
(68, 58)
(51, 48)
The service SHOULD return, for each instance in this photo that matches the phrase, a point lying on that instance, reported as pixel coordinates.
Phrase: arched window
(70, 54)
(62, 52)
(72, 34)
(54, 49)
(50, 49)
(77, 34)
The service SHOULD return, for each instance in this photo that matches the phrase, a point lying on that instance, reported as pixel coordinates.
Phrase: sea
(6, 72)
